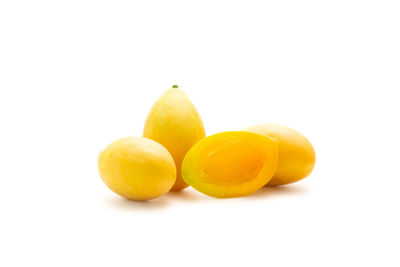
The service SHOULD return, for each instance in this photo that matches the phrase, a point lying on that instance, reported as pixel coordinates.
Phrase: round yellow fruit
(137, 168)
(230, 164)
(296, 154)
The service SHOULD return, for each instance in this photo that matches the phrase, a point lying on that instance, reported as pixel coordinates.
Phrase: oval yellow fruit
(296, 154)
(230, 164)
(137, 168)
(175, 123)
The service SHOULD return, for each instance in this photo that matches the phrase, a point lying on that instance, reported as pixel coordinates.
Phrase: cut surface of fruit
(230, 164)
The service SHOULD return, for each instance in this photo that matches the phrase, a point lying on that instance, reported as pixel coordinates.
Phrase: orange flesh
(233, 164)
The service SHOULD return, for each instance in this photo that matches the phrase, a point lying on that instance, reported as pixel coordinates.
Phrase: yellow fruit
(296, 154)
(230, 164)
(174, 122)
(137, 168)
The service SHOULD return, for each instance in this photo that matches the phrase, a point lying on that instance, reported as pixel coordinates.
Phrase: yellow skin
(137, 168)
(175, 123)
(230, 164)
(296, 154)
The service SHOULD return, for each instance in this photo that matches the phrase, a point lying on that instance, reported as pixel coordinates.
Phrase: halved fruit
(230, 164)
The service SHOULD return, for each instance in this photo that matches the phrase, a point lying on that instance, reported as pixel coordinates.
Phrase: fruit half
(230, 164)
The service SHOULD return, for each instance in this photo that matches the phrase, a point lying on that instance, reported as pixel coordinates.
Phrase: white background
(76, 75)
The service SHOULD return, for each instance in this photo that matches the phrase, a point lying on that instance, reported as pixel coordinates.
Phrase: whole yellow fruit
(296, 154)
(175, 123)
(230, 164)
(137, 168)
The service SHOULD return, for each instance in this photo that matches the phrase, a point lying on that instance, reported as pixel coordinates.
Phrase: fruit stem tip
(174, 86)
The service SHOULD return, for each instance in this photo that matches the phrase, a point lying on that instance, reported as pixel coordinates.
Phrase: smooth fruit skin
(137, 168)
(175, 123)
(296, 154)
(230, 164)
